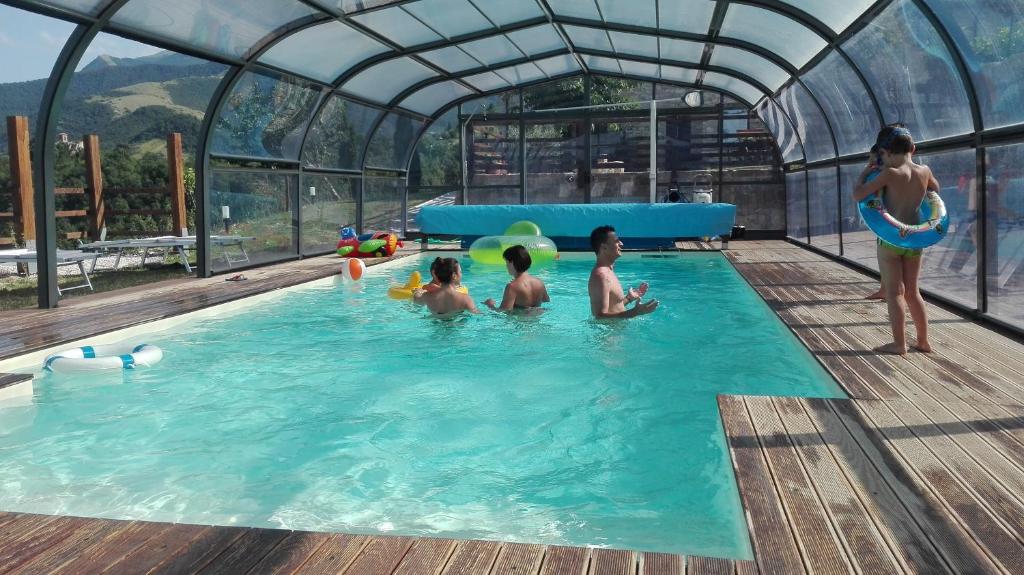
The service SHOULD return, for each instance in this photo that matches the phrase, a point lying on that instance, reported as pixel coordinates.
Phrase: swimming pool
(333, 408)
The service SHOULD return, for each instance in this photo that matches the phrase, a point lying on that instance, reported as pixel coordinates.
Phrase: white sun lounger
(177, 244)
(64, 258)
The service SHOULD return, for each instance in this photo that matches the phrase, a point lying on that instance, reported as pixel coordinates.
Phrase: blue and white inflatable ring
(103, 357)
(932, 215)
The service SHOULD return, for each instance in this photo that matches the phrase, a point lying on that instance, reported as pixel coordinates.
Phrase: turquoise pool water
(334, 408)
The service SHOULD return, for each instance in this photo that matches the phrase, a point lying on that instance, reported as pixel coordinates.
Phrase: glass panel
(931, 100)
(733, 85)
(634, 12)
(555, 158)
(949, 267)
(449, 17)
(303, 51)
(397, 25)
(502, 103)
(675, 74)
(492, 50)
(328, 204)
(503, 12)
(635, 68)
(383, 201)
(752, 176)
(451, 59)
(681, 50)
(796, 206)
(261, 208)
(558, 65)
(605, 90)
(537, 40)
(487, 81)
(836, 14)
(392, 143)
(689, 155)
(620, 160)
(492, 155)
(428, 100)
(988, 34)
(639, 44)
(384, 81)
(215, 26)
(744, 62)
(436, 159)
(846, 103)
(349, 6)
(89, 7)
(493, 196)
(337, 137)
(521, 73)
(824, 207)
(265, 117)
(782, 35)
(576, 8)
(686, 16)
(782, 129)
(564, 93)
(593, 38)
(809, 122)
(1004, 189)
(600, 63)
(858, 241)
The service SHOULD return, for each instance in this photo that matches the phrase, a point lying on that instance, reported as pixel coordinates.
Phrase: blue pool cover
(647, 225)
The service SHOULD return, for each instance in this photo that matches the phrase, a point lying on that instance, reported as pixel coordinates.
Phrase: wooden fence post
(94, 187)
(176, 184)
(21, 179)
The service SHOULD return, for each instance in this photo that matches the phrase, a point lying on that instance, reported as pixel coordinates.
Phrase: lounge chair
(64, 258)
(177, 244)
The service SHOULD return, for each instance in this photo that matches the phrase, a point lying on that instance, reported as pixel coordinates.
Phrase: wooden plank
(291, 554)
(94, 185)
(426, 557)
(176, 183)
(335, 555)
(559, 560)
(380, 556)
(200, 551)
(69, 191)
(245, 552)
(12, 379)
(518, 559)
(472, 558)
(775, 549)
(23, 547)
(660, 564)
(133, 191)
(23, 200)
(709, 566)
(162, 547)
(613, 562)
(84, 541)
(823, 550)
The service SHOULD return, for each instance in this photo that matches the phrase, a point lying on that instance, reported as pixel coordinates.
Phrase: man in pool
(607, 300)
(446, 299)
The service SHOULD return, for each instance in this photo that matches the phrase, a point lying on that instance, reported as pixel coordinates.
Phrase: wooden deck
(920, 471)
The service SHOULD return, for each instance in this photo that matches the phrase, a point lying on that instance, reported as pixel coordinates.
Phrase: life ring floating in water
(491, 249)
(415, 282)
(932, 214)
(103, 357)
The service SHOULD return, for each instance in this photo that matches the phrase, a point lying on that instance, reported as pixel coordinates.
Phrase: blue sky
(30, 43)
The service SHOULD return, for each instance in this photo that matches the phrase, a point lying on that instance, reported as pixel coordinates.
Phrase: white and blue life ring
(103, 357)
(932, 215)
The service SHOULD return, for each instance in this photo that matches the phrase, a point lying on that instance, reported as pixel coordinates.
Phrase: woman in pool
(524, 291)
(446, 298)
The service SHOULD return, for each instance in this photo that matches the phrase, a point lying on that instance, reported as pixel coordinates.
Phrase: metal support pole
(654, 151)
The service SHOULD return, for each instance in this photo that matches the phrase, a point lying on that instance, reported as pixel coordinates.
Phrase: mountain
(128, 101)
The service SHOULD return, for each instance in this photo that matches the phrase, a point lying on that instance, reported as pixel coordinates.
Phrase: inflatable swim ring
(932, 215)
(415, 282)
(489, 249)
(103, 357)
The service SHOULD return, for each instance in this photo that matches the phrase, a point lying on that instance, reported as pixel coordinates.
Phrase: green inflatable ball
(489, 249)
(523, 228)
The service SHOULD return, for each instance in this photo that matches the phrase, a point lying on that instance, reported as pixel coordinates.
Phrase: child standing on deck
(906, 184)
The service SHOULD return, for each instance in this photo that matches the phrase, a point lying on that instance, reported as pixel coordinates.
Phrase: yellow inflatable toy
(415, 282)
(489, 249)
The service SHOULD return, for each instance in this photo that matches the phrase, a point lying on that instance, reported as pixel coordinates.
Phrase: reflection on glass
(619, 160)
(265, 117)
(328, 204)
(492, 154)
(434, 172)
(1005, 239)
(733, 85)
(337, 137)
(254, 212)
(392, 143)
(555, 159)
(858, 241)
(911, 73)
(823, 193)
(383, 199)
(988, 35)
(846, 103)
(744, 62)
(796, 206)
(809, 122)
(778, 124)
(503, 103)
